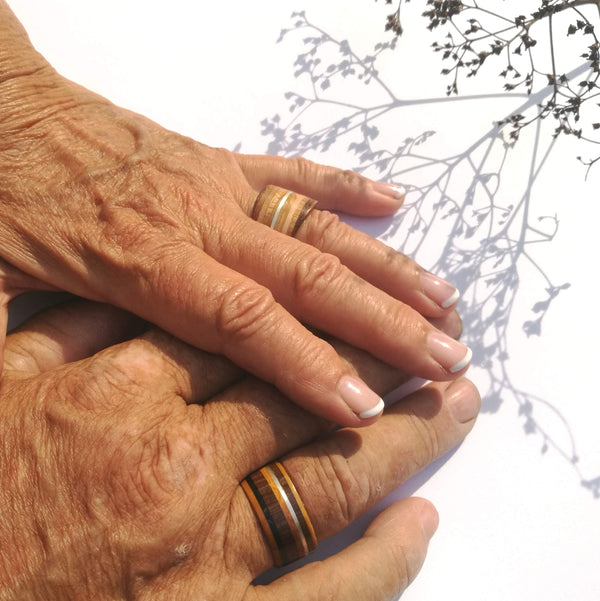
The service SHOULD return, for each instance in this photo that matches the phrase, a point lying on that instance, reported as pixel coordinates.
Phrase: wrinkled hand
(119, 473)
(106, 204)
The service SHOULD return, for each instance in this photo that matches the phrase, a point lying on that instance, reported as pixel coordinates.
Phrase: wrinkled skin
(120, 469)
(108, 205)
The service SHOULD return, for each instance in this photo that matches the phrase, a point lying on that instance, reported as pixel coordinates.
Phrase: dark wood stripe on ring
(306, 209)
(263, 514)
(287, 508)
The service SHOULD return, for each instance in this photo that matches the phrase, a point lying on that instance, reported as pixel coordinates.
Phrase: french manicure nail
(438, 290)
(449, 353)
(359, 397)
(463, 400)
(391, 190)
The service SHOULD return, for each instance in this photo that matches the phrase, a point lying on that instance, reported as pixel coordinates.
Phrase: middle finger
(319, 290)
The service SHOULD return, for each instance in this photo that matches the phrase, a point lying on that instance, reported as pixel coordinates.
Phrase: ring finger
(341, 476)
(347, 191)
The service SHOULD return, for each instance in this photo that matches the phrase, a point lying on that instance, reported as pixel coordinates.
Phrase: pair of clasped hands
(209, 345)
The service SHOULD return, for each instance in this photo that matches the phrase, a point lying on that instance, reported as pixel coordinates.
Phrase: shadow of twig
(485, 243)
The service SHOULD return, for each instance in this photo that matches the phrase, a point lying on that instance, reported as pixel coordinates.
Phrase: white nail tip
(374, 411)
(399, 191)
(451, 299)
(463, 362)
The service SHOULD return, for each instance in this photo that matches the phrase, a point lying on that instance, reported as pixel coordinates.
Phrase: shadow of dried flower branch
(484, 242)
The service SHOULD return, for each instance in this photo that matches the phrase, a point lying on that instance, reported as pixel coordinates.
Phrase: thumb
(13, 282)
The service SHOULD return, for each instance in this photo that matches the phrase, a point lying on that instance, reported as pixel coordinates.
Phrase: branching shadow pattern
(484, 244)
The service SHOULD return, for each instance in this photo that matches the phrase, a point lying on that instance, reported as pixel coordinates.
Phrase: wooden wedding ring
(281, 209)
(282, 516)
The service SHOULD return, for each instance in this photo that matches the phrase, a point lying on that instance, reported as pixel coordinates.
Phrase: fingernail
(397, 192)
(359, 397)
(449, 353)
(438, 290)
(463, 400)
(430, 519)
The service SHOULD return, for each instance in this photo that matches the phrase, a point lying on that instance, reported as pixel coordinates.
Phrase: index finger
(67, 332)
(240, 319)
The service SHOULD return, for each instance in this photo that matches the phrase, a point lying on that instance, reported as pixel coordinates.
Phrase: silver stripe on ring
(290, 508)
(279, 207)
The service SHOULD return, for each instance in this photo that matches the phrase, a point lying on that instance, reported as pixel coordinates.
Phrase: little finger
(378, 567)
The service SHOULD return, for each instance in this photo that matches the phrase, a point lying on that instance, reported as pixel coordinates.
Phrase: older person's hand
(120, 473)
(104, 203)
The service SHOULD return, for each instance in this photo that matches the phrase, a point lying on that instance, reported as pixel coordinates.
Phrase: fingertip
(452, 356)
(375, 199)
(375, 411)
(360, 399)
(428, 517)
(439, 291)
(387, 197)
(464, 400)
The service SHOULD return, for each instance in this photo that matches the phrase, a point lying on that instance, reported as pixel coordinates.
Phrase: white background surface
(516, 523)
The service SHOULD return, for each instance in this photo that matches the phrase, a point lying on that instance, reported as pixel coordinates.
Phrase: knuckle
(304, 168)
(150, 469)
(428, 445)
(157, 465)
(138, 463)
(244, 310)
(317, 274)
(225, 155)
(397, 260)
(134, 363)
(88, 389)
(400, 318)
(348, 492)
(114, 378)
(353, 181)
(128, 369)
(323, 229)
(225, 161)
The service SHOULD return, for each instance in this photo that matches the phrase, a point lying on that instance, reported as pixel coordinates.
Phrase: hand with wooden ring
(146, 469)
(110, 206)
